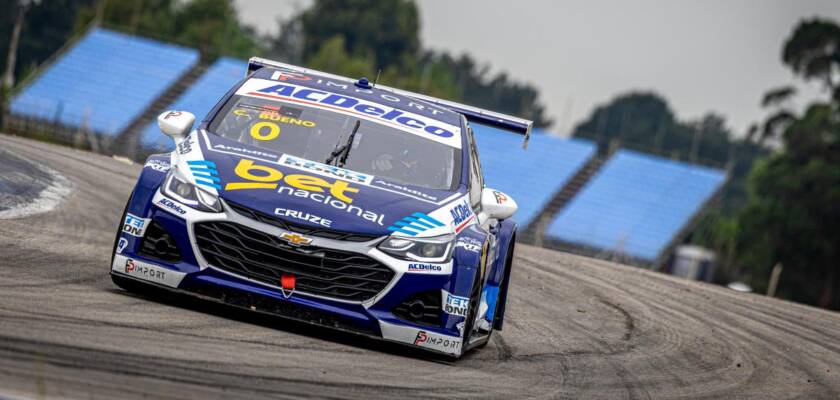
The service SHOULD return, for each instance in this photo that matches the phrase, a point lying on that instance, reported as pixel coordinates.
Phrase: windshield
(314, 134)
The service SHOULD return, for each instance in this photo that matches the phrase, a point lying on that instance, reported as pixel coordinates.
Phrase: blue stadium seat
(635, 204)
(200, 97)
(105, 80)
(531, 176)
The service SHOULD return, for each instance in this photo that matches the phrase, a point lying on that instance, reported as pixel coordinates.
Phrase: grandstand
(630, 204)
(103, 82)
(636, 205)
(533, 176)
(199, 98)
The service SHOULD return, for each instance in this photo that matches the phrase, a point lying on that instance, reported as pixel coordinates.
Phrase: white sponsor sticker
(421, 338)
(147, 271)
(405, 190)
(455, 216)
(303, 216)
(121, 245)
(238, 150)
(454, 305)
(412, 267)
(438, 342)
(241, 151)
(158, 165)
(329, 171)
(134, 225)
(468, 244)
(197, 170)
(462, 215)
(378, 112)
(178, 209)
(425, 268)
(171, 206)
(186, 146)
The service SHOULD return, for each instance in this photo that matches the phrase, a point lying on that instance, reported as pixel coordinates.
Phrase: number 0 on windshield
(257, 131)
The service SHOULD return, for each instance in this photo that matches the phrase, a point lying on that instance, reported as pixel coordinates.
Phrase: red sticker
(287, 285)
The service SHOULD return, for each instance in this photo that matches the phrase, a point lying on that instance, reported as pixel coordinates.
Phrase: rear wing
(473, 114)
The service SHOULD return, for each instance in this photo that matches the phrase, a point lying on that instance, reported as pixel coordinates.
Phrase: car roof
(371, 94)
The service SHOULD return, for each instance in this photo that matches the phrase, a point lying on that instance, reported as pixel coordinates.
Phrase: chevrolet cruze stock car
(332, 201)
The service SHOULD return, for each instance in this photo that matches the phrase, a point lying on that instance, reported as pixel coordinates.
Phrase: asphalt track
(576, 327)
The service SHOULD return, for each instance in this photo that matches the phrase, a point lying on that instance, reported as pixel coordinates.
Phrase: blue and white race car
(330, 201)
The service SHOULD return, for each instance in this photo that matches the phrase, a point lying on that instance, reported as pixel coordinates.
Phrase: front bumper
(373, 317)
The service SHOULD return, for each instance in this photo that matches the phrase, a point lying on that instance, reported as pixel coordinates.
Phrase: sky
(702, 56)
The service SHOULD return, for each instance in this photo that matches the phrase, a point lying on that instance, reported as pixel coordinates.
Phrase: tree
(47, 26)
(154, 19)
(794, 210)
(382, 30)
(793, 213)
(495, 92)
(639, 120)
(287, 45)
(428, 77)
(645, 122)
(813, 52)
(332, 57)
(385, 34)
(212, 26)
(777, 100)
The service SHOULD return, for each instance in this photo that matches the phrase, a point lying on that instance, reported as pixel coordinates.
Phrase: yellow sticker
(273, 116)
(257, 131)
(240, 112)
(264, 177)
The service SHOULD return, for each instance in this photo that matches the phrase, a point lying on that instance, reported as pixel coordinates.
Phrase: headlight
(434, 249)
(178, 188)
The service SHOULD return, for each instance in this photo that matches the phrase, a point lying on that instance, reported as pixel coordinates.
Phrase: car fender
(151, 177)
(502, 267)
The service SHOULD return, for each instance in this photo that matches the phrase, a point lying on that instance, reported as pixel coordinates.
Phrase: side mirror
(496, 204)
(176, 124)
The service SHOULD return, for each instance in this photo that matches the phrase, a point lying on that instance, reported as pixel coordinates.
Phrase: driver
(241, 122)
(403, 167)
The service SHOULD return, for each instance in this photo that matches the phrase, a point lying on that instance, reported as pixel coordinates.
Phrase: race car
(332, 201)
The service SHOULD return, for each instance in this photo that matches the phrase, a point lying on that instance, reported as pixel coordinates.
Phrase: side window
(476, 180)
(477, 162)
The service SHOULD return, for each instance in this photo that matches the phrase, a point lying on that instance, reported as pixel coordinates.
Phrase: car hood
(309, 193)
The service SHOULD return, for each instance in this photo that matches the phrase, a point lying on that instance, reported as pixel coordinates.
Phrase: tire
(475, 299)
(501, 302)
(119, 229)
(121, 282)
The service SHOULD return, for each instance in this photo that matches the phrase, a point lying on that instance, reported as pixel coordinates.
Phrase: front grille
(304, 230)
(288, 309)
(257, 255)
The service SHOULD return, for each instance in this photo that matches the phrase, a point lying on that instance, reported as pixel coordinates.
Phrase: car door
(476, 186)
(476, 178)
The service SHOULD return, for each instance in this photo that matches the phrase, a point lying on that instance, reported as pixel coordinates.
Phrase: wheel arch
(508, 243)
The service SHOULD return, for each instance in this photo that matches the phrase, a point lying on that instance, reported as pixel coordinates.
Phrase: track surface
(576, 328)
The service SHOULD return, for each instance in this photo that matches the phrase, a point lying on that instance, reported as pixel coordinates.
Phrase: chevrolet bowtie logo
(294, 239)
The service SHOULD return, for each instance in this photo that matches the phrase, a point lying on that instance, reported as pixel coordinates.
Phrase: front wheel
(475, 301)
(469, 322)
(123, 283)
